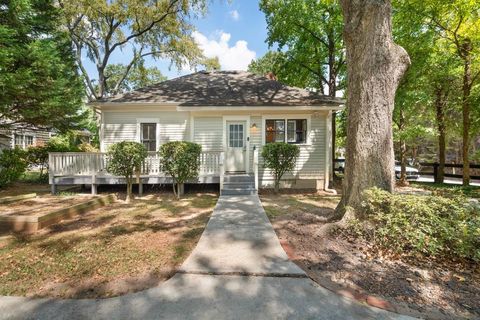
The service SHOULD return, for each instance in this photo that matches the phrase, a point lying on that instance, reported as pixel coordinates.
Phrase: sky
(234, 31)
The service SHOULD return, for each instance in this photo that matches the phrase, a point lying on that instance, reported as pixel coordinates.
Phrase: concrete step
(238, 192)
(228, 185)
(238, 178)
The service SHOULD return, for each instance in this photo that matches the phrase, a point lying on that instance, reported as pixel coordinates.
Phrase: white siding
(255, 137)
(311, 162)
(122, 126)
(208, 132)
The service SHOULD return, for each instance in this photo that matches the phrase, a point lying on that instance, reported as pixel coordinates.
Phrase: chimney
(271, 76)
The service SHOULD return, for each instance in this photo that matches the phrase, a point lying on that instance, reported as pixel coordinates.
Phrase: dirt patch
(19, 188)
(113, 250)
(450, 288)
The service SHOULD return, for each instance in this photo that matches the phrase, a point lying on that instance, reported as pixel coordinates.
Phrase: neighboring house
(23, 137)
(232, 115)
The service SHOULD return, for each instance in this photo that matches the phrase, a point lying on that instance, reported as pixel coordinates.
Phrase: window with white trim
(19, 140)
(274, 131)
(148, 136)
(28, 140)
(295, 131)
(23, 141)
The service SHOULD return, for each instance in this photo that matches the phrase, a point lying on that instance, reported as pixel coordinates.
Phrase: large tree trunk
(440, 103)
(375, 66)
(332, 92)
(467, 87)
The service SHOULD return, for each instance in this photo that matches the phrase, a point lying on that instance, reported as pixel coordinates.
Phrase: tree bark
(440, 103)
(467, 87)
(332, 91)
(129, 190)
(375, 66)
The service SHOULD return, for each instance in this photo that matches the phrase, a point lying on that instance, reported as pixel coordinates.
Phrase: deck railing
(95, 163)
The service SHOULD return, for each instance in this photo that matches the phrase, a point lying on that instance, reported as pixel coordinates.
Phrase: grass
(449, 190)
(33, 176)
(81, 257)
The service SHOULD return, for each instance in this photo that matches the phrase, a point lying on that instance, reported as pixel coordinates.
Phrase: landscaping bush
(428, 225)
(87, 147)
(125, 159)
(37, 156)
(180, 159)
(280, 157)
(12, 166)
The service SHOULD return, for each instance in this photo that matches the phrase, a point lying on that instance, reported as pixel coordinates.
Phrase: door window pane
(235, 136)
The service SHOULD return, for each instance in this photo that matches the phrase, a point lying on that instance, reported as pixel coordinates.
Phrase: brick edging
(362, 296)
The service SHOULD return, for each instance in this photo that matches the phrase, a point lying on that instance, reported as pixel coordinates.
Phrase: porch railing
(95, 163)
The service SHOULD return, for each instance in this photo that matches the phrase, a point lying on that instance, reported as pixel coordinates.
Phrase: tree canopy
(138, 77)
(147, 28)
(309, 33)
(39, 84)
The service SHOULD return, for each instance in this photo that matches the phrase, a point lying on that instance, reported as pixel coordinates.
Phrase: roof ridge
(208, 88)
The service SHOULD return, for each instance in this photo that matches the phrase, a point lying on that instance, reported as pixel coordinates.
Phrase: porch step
(229, 185)
(238, 192)
(238, 184)
(238, 178)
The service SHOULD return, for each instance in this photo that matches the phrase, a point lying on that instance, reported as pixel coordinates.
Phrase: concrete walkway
(237, 271)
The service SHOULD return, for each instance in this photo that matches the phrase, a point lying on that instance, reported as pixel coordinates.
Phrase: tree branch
(311, 33)
(148, 28)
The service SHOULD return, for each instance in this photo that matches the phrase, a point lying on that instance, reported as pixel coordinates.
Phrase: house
(231, 114)
(23, 137)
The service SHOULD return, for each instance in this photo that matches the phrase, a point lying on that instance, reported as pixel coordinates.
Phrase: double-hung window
(297, 131)
(286, 130)
(275, 131)
(23, 141)
(19, 140)
(148, 136)
(28, 140)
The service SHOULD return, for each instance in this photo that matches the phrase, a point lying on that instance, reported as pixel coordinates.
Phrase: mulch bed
(437, 289)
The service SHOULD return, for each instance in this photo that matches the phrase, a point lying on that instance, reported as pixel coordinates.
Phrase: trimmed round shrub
(280, 157)
(12, 166)
(125, 159)
(181, 160)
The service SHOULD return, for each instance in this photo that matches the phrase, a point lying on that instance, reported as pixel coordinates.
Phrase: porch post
(222, 169)
(94, 184)
(51, 174)
(53, 187)
(255, 167)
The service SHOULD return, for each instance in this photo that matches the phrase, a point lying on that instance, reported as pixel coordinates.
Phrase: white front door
(236, 146)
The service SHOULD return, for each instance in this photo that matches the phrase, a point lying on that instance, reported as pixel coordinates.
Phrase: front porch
(89, 168)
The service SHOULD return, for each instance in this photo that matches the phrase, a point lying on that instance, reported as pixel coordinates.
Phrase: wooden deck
(89, 168)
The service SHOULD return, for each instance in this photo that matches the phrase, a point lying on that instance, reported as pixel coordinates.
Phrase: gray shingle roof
(224, 88)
